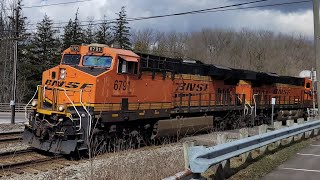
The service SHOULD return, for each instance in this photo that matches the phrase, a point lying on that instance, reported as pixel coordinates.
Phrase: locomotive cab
(64, 104)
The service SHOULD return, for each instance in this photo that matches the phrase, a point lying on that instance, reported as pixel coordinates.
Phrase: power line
(268, 5)
(196, 11)
(184, 13)
(55, 4)
(218, 9)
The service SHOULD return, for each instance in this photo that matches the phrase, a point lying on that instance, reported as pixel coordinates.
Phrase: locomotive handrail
(90, 117)
(25, 108)
(65, 93)
(201, 158)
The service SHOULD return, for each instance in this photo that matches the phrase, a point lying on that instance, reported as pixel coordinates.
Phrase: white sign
(273, 101)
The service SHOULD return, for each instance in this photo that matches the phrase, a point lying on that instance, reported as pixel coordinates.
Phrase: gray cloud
(296, 19)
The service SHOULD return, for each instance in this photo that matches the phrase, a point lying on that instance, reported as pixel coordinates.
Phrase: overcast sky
(291, 19)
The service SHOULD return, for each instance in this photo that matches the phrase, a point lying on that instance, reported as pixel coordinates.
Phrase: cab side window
(308, 85)
(132, 67)
(125, 67)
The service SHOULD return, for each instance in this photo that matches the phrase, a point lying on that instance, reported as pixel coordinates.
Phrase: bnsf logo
(67, 84)
(281, 91)
(191, 87)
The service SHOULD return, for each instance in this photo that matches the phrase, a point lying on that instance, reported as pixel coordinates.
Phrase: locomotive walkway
(304, 165)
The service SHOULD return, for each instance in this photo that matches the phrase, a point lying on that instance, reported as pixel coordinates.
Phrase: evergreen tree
(67, 40)
(122, 30)
(89, 34)
(77, 31)
(73, 33)
(46, 44)
(103, 34)
(42, 53)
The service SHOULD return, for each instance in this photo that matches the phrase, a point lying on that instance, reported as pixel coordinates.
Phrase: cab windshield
(71, 59)
(97, 61)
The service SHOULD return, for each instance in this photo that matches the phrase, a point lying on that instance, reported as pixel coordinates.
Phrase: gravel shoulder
(11, 127)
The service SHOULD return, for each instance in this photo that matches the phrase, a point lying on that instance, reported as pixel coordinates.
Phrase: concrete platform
(304, 165)
(5, 117)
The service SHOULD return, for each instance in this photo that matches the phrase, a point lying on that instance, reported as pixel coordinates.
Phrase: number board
(95, 49)
(75, 48)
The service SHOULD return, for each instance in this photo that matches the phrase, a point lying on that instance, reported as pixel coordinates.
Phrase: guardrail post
(310, 118)
(246, 157)
(308, 133)
(222, 169)
(186, 146)
(316, 132)
(262, 130)
(277, 125)
(289, 124)
(300, 121)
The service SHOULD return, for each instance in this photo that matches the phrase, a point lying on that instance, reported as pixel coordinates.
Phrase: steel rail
(10, 136)
(22, 163)
(10, 133)
(201, 158)
(28, 162)
(11, 153)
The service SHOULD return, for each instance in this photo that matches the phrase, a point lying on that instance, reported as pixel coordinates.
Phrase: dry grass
(155, 164)
(151, 163)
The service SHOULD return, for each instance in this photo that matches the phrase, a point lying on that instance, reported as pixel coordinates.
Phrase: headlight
(34, 102)
(61, 108)
(63, 73)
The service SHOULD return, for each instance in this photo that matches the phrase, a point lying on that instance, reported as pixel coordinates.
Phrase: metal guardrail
(201, 158)
(5, 107)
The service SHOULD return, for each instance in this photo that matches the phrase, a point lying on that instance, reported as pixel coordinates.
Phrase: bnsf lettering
(191, 87)
(71, 85)
(281, 91)
(56, 83)
(85, 85)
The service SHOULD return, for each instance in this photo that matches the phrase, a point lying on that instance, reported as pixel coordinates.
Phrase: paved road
(6, 117)
(304, 165)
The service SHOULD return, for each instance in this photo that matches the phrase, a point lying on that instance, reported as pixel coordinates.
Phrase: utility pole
(14, 72)
(316, 47)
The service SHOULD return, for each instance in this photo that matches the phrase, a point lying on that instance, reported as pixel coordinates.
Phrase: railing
(5, 107)
(199, 158)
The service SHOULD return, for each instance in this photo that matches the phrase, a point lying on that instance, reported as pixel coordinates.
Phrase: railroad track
(10, 136)
(29, 161)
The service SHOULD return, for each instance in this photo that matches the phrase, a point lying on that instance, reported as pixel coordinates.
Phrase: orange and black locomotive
(100, 94)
